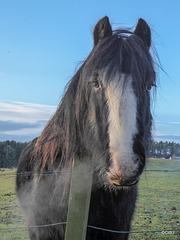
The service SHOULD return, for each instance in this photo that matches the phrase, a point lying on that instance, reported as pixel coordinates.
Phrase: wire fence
(64, 171)
(167, 232)
(50, 173)
(89, 226)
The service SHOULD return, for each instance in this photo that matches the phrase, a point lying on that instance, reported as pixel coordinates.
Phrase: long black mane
(123, 52)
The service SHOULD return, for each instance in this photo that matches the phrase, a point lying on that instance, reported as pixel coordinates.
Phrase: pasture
(158, 207)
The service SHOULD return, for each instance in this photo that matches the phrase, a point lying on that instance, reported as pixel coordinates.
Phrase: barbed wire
(3, 238)
(64, 171)
(160, 170)
(90, 226)
(35, 226)
(129, 232)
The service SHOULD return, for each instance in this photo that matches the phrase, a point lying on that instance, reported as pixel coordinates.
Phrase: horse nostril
(116, 182)
(115, 178)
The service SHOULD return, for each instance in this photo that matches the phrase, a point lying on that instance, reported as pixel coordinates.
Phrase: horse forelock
(124, 52)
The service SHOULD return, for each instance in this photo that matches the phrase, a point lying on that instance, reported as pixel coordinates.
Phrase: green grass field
(10, 216)
(158, 205)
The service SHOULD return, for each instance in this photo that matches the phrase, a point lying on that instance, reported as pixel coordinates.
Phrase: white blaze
(122, 104)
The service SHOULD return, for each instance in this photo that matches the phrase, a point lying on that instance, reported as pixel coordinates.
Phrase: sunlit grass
(10, 216)
(158, 205)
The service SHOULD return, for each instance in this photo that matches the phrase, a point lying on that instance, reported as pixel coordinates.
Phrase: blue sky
(42, 42)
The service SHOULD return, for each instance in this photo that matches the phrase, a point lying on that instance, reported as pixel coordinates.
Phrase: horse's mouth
(127, 183)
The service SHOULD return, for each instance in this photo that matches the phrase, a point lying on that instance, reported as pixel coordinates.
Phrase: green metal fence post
(79, 199)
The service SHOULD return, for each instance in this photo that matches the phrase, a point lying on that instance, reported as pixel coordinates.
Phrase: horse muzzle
(128, 183)
(118, 180)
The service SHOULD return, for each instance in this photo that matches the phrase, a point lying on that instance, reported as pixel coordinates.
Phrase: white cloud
(20, 119)
(25, 131)
(25, 112)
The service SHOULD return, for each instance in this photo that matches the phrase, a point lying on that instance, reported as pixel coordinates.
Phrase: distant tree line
(164, 149)
(10, 152)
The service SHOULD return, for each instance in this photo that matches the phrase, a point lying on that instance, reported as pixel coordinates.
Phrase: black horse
(105, 116)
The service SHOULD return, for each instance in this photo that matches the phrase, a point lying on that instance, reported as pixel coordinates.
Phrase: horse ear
(102, 29)
(144, 32)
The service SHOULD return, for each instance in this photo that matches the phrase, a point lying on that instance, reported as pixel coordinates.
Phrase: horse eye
(150, 86)
(96, 85)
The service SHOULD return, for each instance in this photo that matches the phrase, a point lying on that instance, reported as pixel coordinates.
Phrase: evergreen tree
(10, 157)
(2, 154)
(10, 152)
